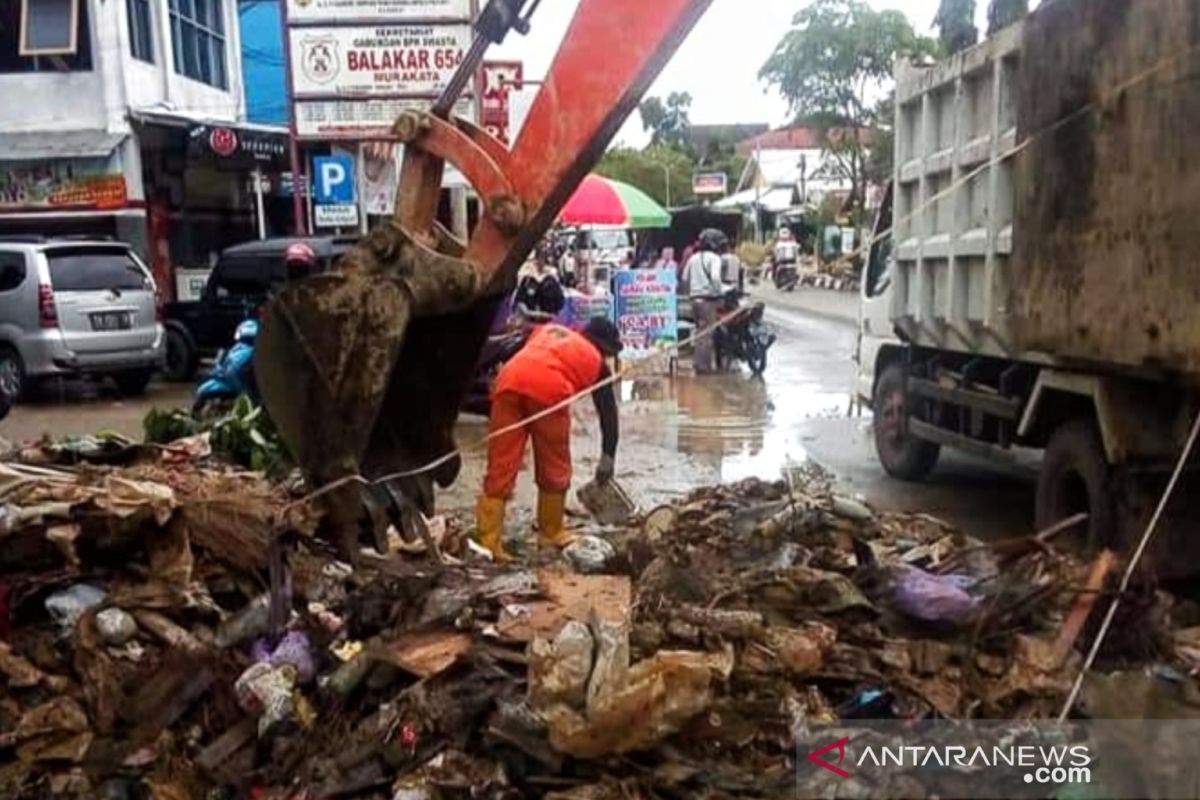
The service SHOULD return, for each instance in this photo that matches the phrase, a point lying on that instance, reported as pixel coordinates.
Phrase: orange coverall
(556, 363)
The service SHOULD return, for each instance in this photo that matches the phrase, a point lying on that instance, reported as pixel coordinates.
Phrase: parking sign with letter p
(333, 182)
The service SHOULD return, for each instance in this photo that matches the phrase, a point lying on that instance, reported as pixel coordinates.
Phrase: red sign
(499, 78)
(223, 141)
(101, 191)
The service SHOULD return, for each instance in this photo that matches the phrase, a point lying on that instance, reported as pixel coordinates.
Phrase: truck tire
(902, 455)
(181, 359)
(1075, 477)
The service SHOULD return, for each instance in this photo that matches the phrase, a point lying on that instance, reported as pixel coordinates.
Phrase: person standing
(702, 274)
(556, 363)
(666, 260)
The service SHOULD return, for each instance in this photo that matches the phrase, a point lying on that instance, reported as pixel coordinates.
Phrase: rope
(1087, 108)
(478, 444)
(1130, 568)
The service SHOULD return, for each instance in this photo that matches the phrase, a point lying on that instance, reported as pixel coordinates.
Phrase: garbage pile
(173, 629)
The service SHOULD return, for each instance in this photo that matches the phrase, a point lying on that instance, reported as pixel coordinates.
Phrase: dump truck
(1033, 279)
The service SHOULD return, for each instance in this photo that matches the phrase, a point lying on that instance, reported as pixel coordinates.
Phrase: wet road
(684, 431)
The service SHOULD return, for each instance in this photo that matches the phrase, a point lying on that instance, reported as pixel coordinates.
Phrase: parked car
(72, 307)
(240, 283)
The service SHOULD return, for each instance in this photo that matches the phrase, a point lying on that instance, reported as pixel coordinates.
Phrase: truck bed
(1073, 231)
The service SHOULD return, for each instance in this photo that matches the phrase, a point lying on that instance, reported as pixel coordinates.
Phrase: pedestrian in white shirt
(702, 274)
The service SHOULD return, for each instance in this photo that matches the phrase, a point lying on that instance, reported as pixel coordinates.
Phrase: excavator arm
(363, 369)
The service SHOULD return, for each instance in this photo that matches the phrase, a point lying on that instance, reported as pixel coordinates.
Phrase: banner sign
(710, 183)
(237, 146)
(64, 183)
(378, 60)
(357, 120)
(580, 308)
(353, 10)
(500, 78)
(646, 310)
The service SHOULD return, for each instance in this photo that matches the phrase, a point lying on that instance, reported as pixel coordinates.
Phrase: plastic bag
(68, 605)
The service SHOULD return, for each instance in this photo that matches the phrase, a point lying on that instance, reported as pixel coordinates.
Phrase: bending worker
(555, 364)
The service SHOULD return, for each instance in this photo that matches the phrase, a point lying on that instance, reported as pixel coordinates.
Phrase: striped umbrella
(602, 201)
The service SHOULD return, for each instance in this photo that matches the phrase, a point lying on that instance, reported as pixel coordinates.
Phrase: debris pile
(170, 630)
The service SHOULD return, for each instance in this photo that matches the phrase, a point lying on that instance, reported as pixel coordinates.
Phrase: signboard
(710, 183)
(358, 120)
(245, 147)
(646, 310)
(336, 216)
(579, 308)
(61, 183)
(333, 180)
(376, 60)
(500, 78)
(355, 10)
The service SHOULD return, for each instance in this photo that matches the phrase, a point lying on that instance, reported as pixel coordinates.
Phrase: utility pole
(666, 168)
(758, 168)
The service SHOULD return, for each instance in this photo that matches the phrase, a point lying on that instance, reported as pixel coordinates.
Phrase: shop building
(126, 119)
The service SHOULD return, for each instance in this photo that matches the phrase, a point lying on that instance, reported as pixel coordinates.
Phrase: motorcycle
(786, 276)
(744, 336)
(232, 374)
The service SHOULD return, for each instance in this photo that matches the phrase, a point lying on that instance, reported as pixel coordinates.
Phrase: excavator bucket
(337, 348)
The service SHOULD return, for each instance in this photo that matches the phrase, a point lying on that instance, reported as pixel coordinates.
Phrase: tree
(832, 64)
(882, 156)
(1002, 13)
(650, 170)
(667, 122)
(955, 22)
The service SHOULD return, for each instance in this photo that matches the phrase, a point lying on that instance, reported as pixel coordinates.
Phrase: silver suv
(70, 307)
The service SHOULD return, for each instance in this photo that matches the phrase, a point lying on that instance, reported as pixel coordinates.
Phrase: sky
(718, 63)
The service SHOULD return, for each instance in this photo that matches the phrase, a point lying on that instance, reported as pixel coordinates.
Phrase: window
(246, 277)
(47, 28)
(94, 269)
(141, 30)
(198, 36)
(12, 271)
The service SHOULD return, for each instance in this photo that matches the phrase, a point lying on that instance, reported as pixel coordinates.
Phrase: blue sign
(333, 180)
(580, 308)
(646, 310)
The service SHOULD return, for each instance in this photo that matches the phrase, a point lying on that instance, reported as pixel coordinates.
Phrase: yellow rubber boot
(551, 513)
(489, 522)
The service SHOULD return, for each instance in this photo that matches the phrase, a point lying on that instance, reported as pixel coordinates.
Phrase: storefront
(71, 183)
(208, 187)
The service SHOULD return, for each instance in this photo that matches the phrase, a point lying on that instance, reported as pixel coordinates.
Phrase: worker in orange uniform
(555, 364)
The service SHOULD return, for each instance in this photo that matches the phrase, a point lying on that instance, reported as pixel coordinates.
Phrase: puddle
(738, 425)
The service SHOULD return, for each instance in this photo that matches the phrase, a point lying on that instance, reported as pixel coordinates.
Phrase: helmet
(300, 253)
(247, 332)
(713, 240)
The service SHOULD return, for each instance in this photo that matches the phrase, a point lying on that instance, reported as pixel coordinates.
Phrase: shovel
(607, 502)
